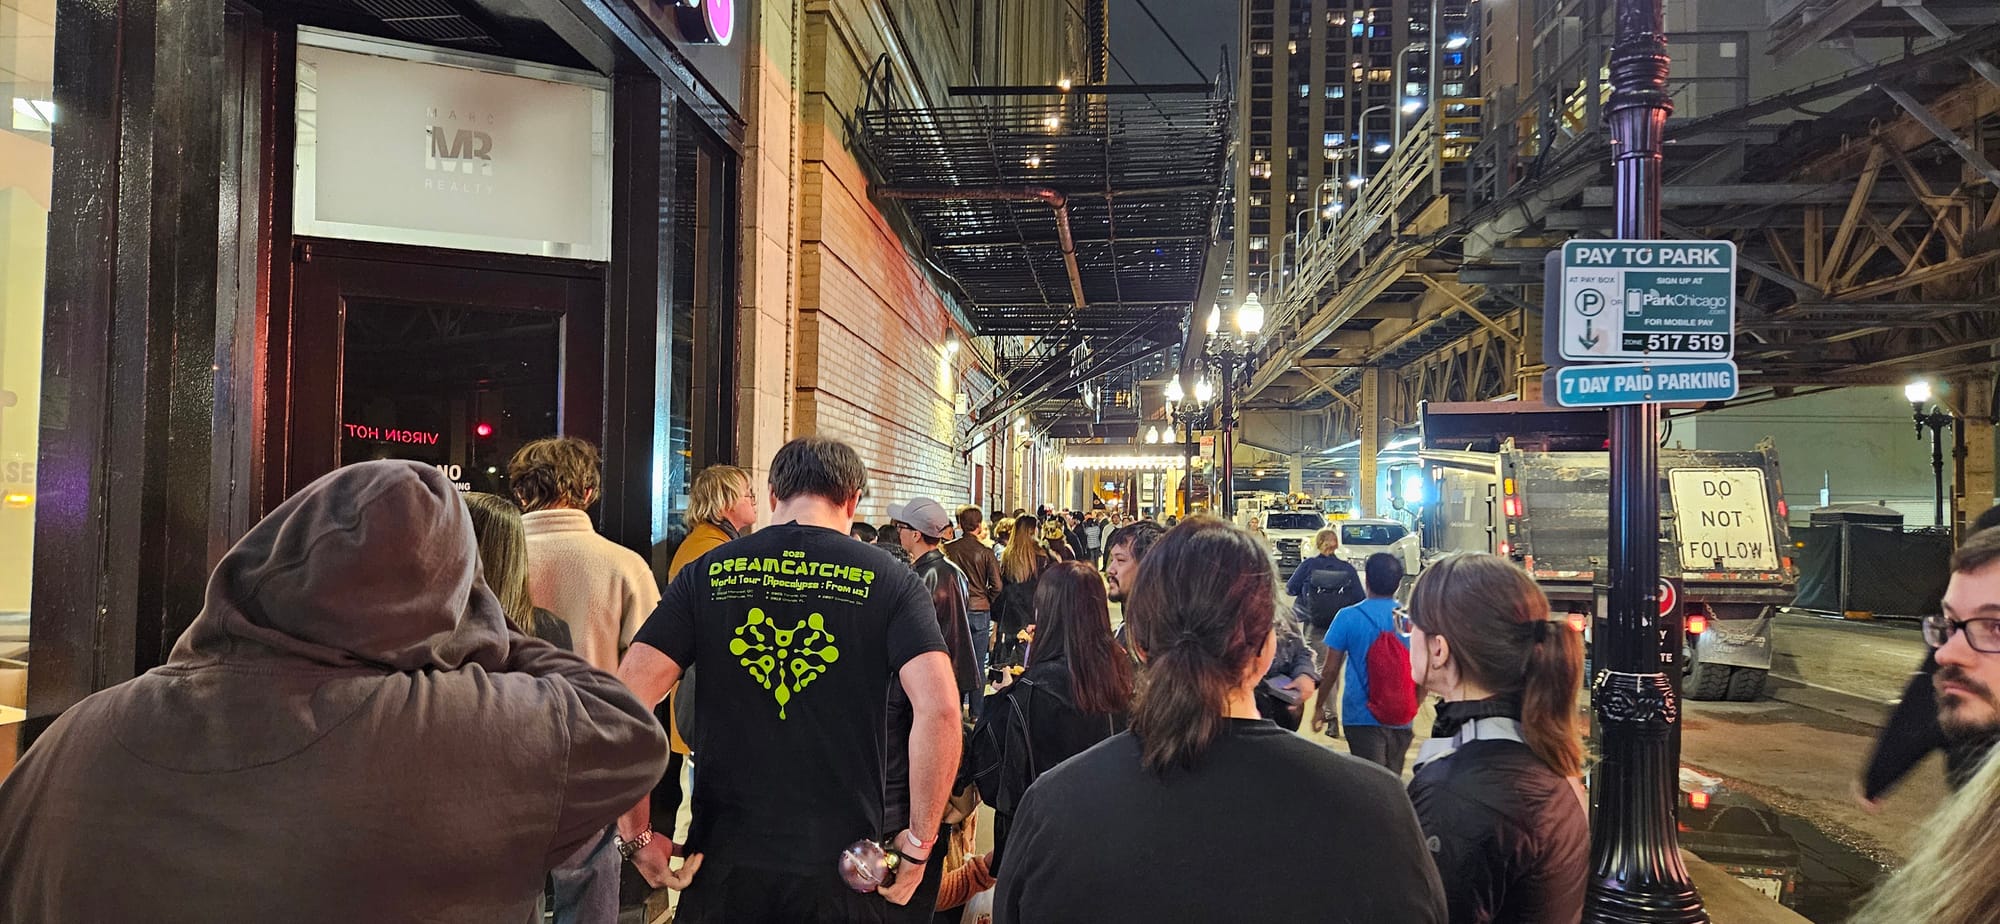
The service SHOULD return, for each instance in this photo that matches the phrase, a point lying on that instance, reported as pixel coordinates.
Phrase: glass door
(454, 365)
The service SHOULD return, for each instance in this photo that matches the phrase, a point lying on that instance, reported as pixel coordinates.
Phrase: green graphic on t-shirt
(783, 661)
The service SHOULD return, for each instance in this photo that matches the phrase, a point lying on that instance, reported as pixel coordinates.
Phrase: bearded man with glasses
(1953, 702)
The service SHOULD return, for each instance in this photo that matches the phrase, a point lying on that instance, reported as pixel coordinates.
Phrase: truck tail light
(1513, 506)
(1784, 510)
(1506, 549)
(1698, 800)
(1697, 623)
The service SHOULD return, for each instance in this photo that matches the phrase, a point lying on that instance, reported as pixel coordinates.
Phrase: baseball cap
(925, 515)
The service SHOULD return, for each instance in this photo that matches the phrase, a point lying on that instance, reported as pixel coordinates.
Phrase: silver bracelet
(629, 849)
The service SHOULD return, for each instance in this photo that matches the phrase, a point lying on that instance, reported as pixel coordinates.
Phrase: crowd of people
(401, 703)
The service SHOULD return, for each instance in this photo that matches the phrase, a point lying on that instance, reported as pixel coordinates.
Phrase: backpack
(1332, 590)
(1002, 753)
(1392, 695)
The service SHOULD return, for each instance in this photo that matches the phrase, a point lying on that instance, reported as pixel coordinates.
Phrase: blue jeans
(586, 884)
(982, 640)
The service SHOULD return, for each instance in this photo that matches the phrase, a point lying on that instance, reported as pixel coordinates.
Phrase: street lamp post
(1637, 876)
(1361, 142)
(1935, 419)
(1184, 413)
(1407, 106)
(1227, 347)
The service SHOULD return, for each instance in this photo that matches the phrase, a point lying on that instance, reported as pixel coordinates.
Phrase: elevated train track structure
(1864, 206)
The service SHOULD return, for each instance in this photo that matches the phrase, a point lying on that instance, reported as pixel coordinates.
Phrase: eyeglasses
(1982, 634)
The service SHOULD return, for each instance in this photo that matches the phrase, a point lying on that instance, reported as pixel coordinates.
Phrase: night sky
(1201, 26)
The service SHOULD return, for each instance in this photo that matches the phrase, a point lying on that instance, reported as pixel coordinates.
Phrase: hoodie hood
(373, 565)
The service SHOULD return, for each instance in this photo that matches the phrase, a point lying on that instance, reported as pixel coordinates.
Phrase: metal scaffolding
(1076, 224)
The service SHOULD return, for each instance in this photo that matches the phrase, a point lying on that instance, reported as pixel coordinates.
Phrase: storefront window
(698, 341)
(27, 56)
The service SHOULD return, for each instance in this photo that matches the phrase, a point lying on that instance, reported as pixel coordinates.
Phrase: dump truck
(1532, 484)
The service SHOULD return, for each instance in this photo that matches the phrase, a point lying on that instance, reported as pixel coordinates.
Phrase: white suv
(1362, 538)
(1290, 533)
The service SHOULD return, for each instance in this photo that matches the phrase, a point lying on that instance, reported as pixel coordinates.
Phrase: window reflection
(27, 55)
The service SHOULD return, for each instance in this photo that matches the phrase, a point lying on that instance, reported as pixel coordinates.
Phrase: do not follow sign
(1643, 383)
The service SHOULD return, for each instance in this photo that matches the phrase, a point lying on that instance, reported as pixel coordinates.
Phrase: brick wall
(842, 331)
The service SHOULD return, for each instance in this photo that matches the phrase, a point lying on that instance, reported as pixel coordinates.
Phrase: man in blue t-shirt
(1354, 630)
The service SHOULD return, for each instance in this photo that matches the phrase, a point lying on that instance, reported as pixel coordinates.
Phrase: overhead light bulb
(1034, 161)
(1175, 394)
(951, 345)
(1152, 434)
(1250, 316)
(1064, 83)
(1354, 182)
(1412, 106)
(1381, 147)
(1918, 391)
(1203, 391)
(1455, 42)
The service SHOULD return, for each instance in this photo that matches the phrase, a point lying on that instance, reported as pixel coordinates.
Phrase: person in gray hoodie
(349, 731)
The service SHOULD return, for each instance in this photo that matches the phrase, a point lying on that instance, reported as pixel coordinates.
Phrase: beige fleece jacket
(602, 589)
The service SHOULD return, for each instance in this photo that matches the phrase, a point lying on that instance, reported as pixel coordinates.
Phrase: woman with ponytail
(1497, 785)
(1196, 812)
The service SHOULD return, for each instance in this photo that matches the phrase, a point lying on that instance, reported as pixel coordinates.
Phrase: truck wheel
(1709, 682)
(1746, 684)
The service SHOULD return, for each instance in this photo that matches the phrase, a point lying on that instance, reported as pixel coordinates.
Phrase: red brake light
(1784, 510)
(1698, 800)
(1506, 549)
(1513, 506)
(483, 429)
(1697, 623)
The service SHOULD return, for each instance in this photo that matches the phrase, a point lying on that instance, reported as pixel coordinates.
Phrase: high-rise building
(1320, 89)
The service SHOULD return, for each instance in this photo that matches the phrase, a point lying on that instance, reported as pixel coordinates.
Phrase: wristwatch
(629, 849)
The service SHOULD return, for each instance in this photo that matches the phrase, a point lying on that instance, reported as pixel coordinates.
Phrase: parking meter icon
(1590, 303)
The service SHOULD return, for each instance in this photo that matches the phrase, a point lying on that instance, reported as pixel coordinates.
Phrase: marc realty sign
(414, 145)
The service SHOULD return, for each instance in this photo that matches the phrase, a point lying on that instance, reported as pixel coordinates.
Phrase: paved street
(1799, 752)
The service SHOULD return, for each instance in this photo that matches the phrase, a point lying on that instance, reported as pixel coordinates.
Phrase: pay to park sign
(1641, 322)
(1648, 300)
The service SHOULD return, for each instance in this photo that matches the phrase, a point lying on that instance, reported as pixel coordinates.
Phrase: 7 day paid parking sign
(1648, 300)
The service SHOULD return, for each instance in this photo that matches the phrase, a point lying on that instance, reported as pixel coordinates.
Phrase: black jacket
(947, 586)
(1029, 727)
(1509, 834)
(951, 597)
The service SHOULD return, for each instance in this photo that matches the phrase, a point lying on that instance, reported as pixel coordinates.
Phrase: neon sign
(366, 432)
(708, 21)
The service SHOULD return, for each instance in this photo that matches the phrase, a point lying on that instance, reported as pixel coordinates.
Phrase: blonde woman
(1020, 572)
(503, 557)
(721, 506)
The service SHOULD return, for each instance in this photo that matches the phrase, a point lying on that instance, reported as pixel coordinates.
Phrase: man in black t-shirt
(799, 632)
